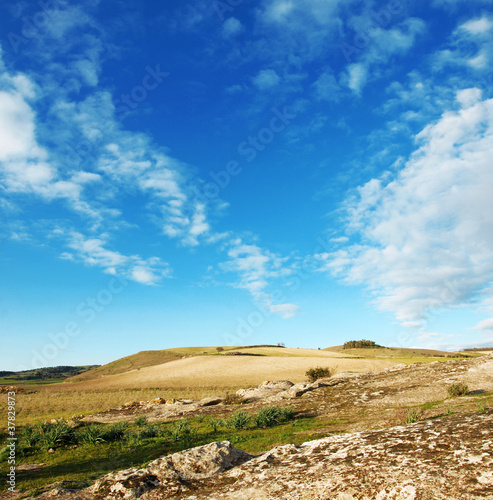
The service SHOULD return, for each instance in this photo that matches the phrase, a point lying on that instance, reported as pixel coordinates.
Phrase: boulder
(264, 390)
(210, 401)
(167, 473)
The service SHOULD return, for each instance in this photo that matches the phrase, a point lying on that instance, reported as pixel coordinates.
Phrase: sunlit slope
(140, 360)
(151, 358)
(230, 371)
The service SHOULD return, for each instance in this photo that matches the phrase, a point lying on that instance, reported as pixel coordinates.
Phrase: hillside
(41, 376)
(396, 352)
(144, 359)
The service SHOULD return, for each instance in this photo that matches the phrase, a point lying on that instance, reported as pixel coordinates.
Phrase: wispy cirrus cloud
(257, 268)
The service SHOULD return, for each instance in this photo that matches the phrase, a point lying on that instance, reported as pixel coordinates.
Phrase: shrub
(239, 420)
(92, 434)
(457, 389)
(115, 432)
(141, 421)
(215, 423)
(273, 415)
(182, 432)
(53, 435)
(151, 431)
(314, 374)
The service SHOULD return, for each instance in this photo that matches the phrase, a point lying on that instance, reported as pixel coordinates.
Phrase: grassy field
(142, 442)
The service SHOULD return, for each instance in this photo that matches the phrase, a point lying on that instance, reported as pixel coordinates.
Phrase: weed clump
(239, 420)
(182, 432)
(271, 416)
(314, 374)
(457, 389)
(413, 415)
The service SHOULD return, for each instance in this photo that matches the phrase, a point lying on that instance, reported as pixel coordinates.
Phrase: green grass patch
(90, 451)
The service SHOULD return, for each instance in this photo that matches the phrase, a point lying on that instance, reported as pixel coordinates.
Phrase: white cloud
(381, 46)
(232, 27)
(477, 26)
(16, 126)
(286, 311)
(257, 267)
(486, 324)
(426, 236)
(266, 79)
(93, 252)
(357, 77)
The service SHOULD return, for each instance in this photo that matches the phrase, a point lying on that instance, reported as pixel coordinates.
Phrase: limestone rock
(210, 401)
(167, 473)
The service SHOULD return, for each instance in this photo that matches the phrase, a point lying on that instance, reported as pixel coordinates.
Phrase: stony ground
(440, 457)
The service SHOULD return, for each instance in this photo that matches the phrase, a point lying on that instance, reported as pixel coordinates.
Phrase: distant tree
(360, 344)
(219, 349)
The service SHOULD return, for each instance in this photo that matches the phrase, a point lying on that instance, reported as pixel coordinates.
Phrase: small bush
(413, 415)
(457, 389)
(150, 431)
(273, 415)
(59, 434)
(92, 434)
(182, 432)
(115, 432)
(239, 420)
(314, 374)
(214, 423)
(141, 421)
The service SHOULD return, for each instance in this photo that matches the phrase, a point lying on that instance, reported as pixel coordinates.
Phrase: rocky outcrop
(450, 458)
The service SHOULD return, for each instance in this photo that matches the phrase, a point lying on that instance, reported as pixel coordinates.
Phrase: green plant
(482, 406)
(314, 374)
(115, 432)
(273, 415)
(141, 421)
(413, 415)
(57, 434)
(151, 431)
(449, 410)
(239, 420)
(457, 389)
(92, 434)
(182, 432)
(214, 423)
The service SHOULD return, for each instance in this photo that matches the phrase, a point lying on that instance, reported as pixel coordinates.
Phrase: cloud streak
(424, 238)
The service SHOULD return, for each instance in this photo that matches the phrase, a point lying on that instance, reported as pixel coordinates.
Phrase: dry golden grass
(51, 402)
(230, 371)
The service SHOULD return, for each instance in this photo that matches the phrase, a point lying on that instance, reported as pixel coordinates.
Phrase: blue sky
(229, 173)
